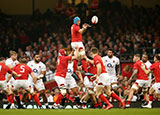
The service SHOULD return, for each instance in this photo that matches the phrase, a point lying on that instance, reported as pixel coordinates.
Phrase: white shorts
(88, 83)
(3, 85)
(25, 84)
(68, 83)
(156, 87)
(39, 85)
(75, 44)
(142, 83)
(104, 79)
(113, 79)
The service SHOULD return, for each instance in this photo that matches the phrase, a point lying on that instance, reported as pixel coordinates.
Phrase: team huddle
(98, 74)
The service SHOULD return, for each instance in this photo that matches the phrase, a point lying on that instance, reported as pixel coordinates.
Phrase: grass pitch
(131, 111)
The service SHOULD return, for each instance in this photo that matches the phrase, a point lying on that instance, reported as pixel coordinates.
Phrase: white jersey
(49, 75)
(148, 64)
(37, 69)
(110, 64)
(69, 70)
(9, 61)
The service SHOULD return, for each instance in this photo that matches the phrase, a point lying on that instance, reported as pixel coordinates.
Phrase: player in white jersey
(111, 62)
(39, 70)
(148, 64)
(11, 62)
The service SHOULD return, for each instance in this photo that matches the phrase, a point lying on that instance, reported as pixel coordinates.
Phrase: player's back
(76, 36)
(98, 59)
(62, 64)
(3, 70)
(22, 69)
(156, 71)
(141, 74)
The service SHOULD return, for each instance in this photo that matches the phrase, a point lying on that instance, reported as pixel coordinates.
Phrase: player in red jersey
(76, 33)
(155, 89)
(103, 79)
(141, 80)
(61, 71)
(89, 82)
(3, 81)
(22, 81)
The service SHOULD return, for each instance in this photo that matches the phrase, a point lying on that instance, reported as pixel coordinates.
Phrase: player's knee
(144, 90)
(134, 86)
(63, 90)
(91, 92)
(114, 86)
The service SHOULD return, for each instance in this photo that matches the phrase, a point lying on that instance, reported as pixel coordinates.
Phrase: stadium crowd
(126, 30)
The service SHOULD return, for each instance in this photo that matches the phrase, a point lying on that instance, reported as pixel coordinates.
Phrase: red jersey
(97, 59)
(156, 71)
(91, 69)
(141, 75)
(3, 70)
(76, 36)
(62, 65)
(22, 69)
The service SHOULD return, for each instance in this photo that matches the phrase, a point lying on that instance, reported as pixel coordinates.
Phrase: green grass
(131, 111)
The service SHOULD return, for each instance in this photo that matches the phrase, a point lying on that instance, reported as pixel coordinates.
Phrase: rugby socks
(128, 102)
(18, 100)
(150, 97)
(77, 100)
(10, 99)
(63, 101)
(59, 99)
(36, 99)
(115, 96)
(84, 65)
(104, 99)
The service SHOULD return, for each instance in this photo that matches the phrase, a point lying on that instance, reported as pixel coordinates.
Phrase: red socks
(59, 99)
(75, 63)
(104, 99)
(128, 102)
(115, 96)
(84, 65)
(10, 99)
(35, 97)
(150, 97)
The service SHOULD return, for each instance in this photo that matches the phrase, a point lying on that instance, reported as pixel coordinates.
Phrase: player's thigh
(156, 88)
(142, 83)
(3, 85)
(40, 85)
(60, 81)
(71, 83)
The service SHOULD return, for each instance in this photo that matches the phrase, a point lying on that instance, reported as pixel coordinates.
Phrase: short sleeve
(118, 62)
(8, 62)
(30, 70)
(152, 67)
(76, 28)
(96, 61)
(135, 66)
(68, 58)
(43, 67)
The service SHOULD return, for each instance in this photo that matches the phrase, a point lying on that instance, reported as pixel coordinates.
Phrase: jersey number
(22, 68)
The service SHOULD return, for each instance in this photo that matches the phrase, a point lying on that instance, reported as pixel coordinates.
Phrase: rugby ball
(94, 20)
